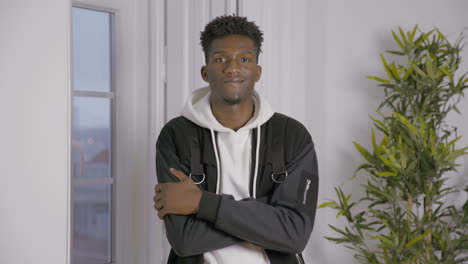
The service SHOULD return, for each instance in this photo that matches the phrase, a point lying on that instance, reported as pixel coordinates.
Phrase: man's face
(232, 69)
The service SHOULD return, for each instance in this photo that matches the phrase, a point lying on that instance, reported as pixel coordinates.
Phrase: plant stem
(409, 210)
(428, 209)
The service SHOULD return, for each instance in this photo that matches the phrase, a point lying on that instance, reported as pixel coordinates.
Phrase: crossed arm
(198, 221)
(181, 198)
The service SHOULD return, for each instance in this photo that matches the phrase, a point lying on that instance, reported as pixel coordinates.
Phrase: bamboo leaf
(364, 166)
(397, 40)
(338, 230)
(455, 154)
(406, 122)
(447, 73)
(394, 71)
(366, 154)
(452, 142)
(394, 161)
(347, 198)
(379, 193)
(379, 79)
(418, 70)
(402, 34)
(408, 73)
(429, 66)
(340, 213)
(338, 240)
(441, 241)
(384, 240)
(417, 239)
(386, 67)
(388, 163)
(374, 143)
(426, 35)
(386, 174)
(328, 204)
(416, 256)
(422, 126)
(439, 34)
(380, 123)
(419, 41)
(413, 33)
(399, 53)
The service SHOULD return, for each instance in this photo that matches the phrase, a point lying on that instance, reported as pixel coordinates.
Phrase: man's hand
(181, 198)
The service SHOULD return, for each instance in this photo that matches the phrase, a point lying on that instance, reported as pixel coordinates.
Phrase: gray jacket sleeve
(285, 223)
(187, 234)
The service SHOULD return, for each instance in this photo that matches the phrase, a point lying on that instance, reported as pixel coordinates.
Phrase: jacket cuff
(208, 208)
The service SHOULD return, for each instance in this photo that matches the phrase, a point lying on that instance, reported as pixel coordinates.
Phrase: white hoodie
(233, 158)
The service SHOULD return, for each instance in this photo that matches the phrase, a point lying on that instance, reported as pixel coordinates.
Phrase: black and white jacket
(281, 217)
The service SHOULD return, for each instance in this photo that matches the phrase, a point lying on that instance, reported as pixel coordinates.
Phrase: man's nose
(232, 67)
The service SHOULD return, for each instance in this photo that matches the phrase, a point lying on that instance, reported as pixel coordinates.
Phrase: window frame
(111, 181)
(140, 94)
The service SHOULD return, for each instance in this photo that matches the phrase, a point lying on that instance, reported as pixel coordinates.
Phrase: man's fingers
(159, 205)
(162, 213)
(158, 197)
(180, 175)
(158, 187)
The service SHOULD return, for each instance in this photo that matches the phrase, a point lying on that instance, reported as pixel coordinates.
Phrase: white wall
(34, 114)
(316, 57)
(357, 32)
(293, 57)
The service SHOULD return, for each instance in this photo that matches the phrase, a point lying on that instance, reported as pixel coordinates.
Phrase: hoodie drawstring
(215, 148)
(257, 151)
(218, 167)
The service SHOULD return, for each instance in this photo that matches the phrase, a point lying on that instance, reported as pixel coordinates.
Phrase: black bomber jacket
(280, 219)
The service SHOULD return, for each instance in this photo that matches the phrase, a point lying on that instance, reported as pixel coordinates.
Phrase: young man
(238, 183)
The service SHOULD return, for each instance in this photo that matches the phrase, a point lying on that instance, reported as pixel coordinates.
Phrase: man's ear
(259, 73)
(204, 73)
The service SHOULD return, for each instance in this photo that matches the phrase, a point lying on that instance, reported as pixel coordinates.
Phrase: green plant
(405, 219)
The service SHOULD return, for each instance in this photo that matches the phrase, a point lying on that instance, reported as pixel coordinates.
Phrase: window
(92, 136)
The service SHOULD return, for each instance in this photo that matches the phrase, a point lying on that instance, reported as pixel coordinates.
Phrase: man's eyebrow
(223, 52)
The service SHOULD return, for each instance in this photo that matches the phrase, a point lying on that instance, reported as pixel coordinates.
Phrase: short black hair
(230, 25)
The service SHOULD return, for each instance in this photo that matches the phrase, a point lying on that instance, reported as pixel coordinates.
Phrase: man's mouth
(233, 81)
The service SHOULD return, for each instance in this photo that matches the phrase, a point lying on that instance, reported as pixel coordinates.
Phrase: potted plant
(402, 216)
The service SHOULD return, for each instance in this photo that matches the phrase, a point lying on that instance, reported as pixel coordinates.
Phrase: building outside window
(92, 136)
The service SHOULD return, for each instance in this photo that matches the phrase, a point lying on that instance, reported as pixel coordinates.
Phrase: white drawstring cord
(218, 169)
(257, 151)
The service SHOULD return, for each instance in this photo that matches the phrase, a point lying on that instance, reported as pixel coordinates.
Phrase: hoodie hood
(198, 110)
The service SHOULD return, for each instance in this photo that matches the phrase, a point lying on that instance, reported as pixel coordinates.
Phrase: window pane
(91, 50)
(92, 224)
(91, 137)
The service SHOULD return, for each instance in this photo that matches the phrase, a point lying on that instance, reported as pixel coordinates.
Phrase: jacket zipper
(299, 260)
(305, 192)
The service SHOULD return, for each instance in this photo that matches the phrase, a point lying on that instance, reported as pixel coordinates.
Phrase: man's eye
(245, 59)
(220, 60)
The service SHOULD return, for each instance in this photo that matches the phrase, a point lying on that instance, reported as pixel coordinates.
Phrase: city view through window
(92, 197)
